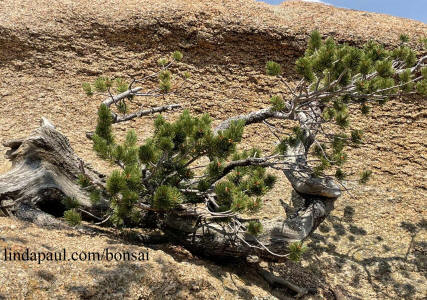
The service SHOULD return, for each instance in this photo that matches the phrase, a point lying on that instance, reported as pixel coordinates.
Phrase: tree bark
(44, 170)
(215, 240)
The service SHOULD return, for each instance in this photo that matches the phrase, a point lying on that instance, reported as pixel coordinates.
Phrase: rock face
(48, 48)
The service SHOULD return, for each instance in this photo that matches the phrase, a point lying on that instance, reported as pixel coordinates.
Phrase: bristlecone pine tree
(192, 180)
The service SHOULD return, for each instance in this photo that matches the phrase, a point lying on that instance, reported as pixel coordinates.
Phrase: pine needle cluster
(296, 250)
(72, 217)
(102, 84)
(347, 75)
(158, 170)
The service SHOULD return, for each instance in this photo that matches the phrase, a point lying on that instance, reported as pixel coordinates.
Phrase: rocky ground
(371, 247)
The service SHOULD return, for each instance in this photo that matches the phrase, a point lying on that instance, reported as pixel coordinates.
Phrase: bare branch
(128, 93)
(146, 112)
(253, 117)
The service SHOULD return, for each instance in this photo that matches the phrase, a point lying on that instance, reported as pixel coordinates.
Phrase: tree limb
(145, 112)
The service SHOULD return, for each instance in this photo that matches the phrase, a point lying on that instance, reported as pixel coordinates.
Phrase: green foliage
(101, 84)
(365, 176)
(105, 121)
(319, 169)
(318, 149)
(239, 192)
(127, 153)
(332, 155)
(131, 138)
(375, 51)
(365, 109)
(339, 106)
(405, 54)
(240, 201)
(269, 181)
(404, 38)
(282, 147)
(299, 133)
(305, 68)
(167, 156)
(95, 196)
(254, 205)
(365, 66)
(147, 152)
(278, 103)
(296, 250)
(165, 75)
(328, 113)
(372, 72)
(177, 56)
(422, 87)
(405, 78)
(339, 158)
(352, 59)
(224, 192)
(165, 86)
(122, 107)
(339, 142)
(254, 228)
(70, 202)
(224, 143)
(121, 85)
(356, 136)
(241, 189)
(83, 181)
(340, 174)
(116, 183)
(162, 62)
(101, 147)
(87, 89)
(166, 197)
(165, 81)
(384, 68)
(273, 68)
(72, 217)
(315, 42)
(324, 59)
(341, 118)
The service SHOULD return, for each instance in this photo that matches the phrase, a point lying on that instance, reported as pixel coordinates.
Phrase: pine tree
(164, 174)
(167, 158)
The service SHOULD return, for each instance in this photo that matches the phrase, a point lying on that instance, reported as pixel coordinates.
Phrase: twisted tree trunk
(215, 240)
(45, 169)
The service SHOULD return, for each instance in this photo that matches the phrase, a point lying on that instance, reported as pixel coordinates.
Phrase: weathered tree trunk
(45, 169)
(213, 239)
